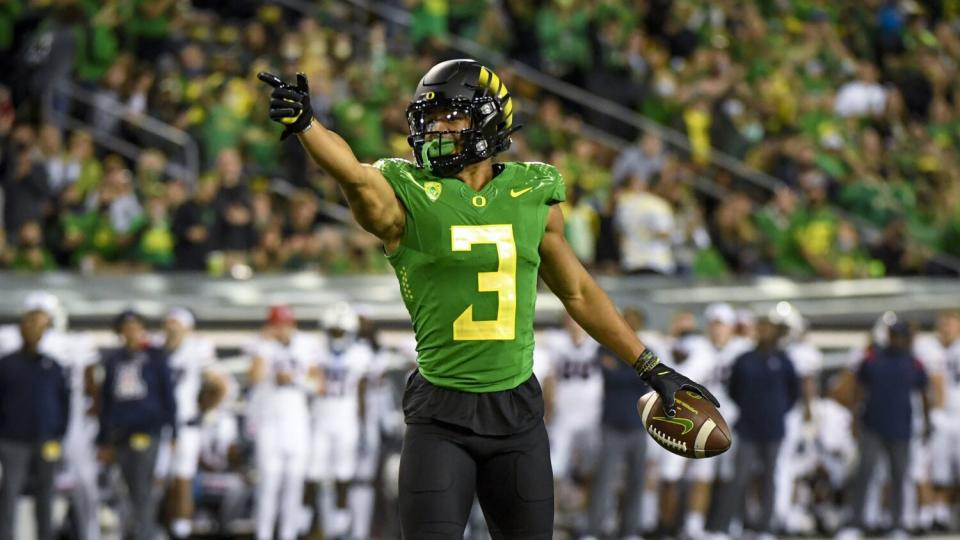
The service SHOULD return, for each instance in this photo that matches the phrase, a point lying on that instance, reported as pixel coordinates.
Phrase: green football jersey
(467, 265)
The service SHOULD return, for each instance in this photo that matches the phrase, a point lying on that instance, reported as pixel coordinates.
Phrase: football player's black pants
(442, 468)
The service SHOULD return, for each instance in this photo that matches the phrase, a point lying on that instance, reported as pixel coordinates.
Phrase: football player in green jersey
(468, 239)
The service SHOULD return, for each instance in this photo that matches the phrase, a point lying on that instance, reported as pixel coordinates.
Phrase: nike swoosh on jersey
(687, 425)
(515, 193)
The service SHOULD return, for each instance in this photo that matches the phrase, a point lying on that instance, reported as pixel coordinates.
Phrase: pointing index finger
(270, 79)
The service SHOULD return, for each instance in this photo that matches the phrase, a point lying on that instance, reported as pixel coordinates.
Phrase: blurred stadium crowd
(299, 430)
(851, 106)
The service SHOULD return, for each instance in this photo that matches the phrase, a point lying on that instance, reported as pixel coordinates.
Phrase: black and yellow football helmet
(465, 93)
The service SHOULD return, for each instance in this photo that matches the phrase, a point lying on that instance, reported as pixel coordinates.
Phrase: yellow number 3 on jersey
(503, 282)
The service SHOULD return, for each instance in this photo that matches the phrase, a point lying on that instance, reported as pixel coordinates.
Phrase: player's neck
(477, 175)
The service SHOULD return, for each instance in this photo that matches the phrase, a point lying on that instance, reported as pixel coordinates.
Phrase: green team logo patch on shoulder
(432, 189)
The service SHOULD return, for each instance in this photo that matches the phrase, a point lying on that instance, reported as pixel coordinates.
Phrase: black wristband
(645, 363)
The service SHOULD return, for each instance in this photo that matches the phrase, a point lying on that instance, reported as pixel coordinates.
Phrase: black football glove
(289, 105)
(666, 382)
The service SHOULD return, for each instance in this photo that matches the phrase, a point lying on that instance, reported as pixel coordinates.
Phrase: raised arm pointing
(372, 200)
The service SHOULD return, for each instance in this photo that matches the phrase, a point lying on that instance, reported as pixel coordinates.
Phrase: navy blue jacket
(622, 387)
(889, 376)
(764, 385)
(137, 394)
(34, 398)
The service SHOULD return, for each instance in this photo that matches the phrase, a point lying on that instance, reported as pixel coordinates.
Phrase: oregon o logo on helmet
(475, 91)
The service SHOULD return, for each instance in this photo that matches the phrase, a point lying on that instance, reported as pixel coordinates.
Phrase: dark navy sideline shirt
(764, 385)
(889, 377)
(138, 394)
(34, 398)
(622, 387)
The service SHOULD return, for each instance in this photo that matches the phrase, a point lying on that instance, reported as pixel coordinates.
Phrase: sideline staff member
(34, 408)
(137, 404)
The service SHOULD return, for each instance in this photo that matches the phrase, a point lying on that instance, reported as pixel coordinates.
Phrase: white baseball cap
(721, 312)
(182, 316)
(42, 301)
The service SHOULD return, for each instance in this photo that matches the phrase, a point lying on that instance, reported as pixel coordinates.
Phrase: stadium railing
(178, 144)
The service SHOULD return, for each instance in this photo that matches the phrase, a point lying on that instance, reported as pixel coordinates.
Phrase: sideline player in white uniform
(836, 457)
(377, 412)
(190, 358)
(940, 354)
(662, 345)
(284, 375)
(919, 496)
(77, 354)
(697, 356)
(573, 394)
(727, 346)
(798, 457)
(219, 426)
(721, 333)
(338, 414)
(721, 320)
(746, 323)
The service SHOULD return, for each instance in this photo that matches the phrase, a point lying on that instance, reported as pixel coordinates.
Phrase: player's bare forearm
(583, 298)
(331, 152)
(371, 199)
(594, 311)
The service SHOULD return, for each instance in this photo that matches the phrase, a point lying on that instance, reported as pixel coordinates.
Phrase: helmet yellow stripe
(495, 83)
(489, 80)
(484, 78)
